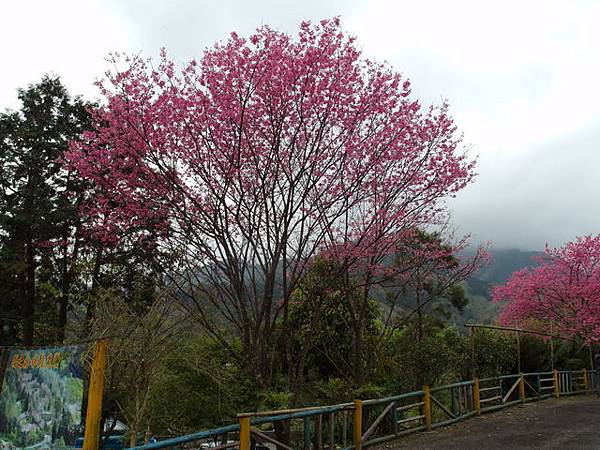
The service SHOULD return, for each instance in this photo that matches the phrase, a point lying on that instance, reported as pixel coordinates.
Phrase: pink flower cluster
(564, 291)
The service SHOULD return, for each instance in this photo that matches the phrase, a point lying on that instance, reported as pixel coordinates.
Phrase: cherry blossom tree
(267, 151)
(562, 292)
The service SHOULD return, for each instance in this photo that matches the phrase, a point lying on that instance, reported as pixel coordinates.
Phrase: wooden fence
(367, 422)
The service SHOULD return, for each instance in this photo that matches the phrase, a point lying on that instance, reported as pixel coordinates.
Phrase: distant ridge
(479, 286)
(504, 263)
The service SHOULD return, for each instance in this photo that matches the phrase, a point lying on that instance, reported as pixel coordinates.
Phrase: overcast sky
(522, 78)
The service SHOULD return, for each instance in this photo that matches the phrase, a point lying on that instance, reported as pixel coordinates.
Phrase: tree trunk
(419, 318)
(420, 381)
(67, 271)
(62, 313)
(357, 357)
(29, 306)
(90, 313)
(262, 361)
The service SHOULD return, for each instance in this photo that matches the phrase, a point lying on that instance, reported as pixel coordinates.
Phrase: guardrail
(351, 426)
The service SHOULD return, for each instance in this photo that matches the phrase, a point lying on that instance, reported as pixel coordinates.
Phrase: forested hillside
(504, 263)
(479, 286)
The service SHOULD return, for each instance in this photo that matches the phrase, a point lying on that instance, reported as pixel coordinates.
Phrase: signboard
(41, 397)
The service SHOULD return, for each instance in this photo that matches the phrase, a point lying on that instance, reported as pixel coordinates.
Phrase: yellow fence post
(555, 382)
(476, 396)
(522, 388)
(357, 428)
(244, 433)
(91, 437)
(586, 380)
(427, 406)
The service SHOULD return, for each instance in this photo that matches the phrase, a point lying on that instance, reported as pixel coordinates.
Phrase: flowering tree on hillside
(564, 291)
(259, 156)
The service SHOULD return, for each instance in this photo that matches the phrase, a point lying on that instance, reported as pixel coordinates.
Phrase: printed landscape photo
(40, 402)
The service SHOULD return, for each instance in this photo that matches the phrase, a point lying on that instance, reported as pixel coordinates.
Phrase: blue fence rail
(367, 422)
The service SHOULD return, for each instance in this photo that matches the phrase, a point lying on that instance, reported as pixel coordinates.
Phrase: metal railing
(368, 422)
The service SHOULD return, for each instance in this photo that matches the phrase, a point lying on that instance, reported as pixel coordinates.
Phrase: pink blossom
(563, 291)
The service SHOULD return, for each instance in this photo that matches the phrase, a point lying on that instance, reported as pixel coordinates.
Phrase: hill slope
(504, 263)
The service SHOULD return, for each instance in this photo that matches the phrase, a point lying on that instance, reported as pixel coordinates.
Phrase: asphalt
(564, 423)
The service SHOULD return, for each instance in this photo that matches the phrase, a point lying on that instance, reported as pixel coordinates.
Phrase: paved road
(565, 424)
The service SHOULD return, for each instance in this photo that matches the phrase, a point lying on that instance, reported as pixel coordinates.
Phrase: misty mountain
(479, 286)
(504, 263)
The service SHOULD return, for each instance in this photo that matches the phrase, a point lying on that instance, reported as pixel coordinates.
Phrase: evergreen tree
(38, 200)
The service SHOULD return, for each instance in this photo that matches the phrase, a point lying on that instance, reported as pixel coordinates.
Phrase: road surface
(566, 423)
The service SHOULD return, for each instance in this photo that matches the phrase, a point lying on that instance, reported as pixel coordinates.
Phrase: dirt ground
(565, 424)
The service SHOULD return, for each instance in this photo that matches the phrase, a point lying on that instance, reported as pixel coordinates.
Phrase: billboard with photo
(41, 397)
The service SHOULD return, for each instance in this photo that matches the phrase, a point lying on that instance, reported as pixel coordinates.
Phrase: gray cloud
(544, 194)
(186, 27)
